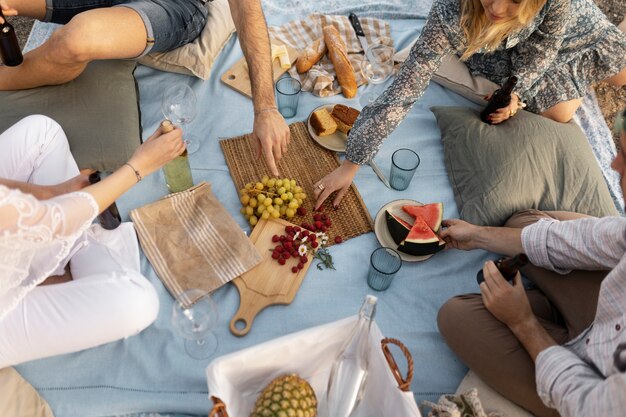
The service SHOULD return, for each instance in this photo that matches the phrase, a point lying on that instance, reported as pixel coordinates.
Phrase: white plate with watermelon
(410, 227)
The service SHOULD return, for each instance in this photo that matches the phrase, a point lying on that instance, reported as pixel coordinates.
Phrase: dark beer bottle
(110, 218)
(508, 267)
(9, 48)
(500, 98)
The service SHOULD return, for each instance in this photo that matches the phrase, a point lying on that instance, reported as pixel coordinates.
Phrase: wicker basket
(387, 390)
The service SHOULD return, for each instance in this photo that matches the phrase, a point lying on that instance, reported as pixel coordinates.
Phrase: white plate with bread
(329, 124)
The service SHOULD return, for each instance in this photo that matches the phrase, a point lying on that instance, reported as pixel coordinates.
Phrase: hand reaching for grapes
(339, 180)
(272, 137)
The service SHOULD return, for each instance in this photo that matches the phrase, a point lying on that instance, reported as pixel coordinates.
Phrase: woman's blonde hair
(481, 33)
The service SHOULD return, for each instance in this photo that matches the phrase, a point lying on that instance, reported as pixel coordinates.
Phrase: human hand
(76, 183)
(504, 113)
(508, 303)
(459, 234)
(6, 10)
(339, 180)
(271, 135)
(157, 150)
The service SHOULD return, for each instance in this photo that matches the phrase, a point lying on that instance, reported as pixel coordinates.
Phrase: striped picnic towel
(192, 242)
(321, 79)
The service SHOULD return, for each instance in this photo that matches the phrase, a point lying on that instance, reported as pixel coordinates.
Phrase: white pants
(107, 299)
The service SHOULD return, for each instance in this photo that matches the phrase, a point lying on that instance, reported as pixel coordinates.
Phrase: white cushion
(196, 58)
(454, 75)
(490, 399)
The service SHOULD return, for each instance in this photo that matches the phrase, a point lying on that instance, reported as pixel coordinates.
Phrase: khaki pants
(564, 304)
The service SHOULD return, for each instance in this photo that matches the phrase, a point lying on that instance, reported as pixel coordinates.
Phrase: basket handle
(403, 384)
(219, 408)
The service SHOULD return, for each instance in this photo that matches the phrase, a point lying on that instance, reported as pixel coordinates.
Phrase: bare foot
(622, 26)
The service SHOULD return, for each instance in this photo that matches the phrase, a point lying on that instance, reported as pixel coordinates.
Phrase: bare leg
(564, 111)
(107, 33)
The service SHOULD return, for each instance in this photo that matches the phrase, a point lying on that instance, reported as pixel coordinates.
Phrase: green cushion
(527, 162)
(98, 111)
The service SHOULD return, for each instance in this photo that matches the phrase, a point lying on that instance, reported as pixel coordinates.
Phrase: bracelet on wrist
(137, 174)
(257, 112)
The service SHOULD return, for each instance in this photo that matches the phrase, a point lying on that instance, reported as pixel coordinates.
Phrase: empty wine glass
(194, 314)
(376, 67)
(179, 105)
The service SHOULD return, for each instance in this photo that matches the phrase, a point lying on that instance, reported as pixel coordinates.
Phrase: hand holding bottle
(504, 113)
(6, 10)
(10, 51)
(157, 150)
(503, 103)
(508, 303)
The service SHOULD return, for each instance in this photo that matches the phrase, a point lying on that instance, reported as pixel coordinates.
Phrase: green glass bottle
(177, 171)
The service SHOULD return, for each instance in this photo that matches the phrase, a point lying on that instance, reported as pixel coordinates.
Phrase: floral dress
(568, 45)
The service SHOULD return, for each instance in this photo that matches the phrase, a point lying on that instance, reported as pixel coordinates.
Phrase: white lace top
(36, 239)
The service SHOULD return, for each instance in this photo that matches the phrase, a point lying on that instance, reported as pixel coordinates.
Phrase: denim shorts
(169, 23)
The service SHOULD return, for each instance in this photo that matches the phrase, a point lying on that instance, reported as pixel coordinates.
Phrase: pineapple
(286, 396)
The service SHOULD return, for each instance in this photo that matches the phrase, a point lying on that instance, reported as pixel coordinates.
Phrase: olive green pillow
(98, 111)
(526, 162)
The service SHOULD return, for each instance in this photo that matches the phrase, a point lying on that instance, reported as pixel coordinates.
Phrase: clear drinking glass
(376, 68)
(194, 315)
(404, 162)
(180, 105)
(287, 96)
(384, 264)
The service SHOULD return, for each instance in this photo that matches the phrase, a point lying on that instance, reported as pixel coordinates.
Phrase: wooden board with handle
(237, 76)
(269, 282)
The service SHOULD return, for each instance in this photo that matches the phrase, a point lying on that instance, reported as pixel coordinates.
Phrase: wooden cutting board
(237, 76)
(267, 283)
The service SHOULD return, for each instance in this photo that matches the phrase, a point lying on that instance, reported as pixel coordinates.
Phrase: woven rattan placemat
(306, 162)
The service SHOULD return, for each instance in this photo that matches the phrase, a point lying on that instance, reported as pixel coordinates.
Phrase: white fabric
(238, 378)
(108, 299)
(37, 237)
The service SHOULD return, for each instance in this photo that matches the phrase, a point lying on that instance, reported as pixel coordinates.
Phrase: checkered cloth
(321, 79)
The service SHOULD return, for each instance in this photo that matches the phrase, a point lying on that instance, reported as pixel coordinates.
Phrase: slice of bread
(344, 116)
(323, 123)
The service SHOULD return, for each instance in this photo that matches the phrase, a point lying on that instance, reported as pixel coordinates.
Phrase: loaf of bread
(311, 55)
(339, 56)
(344, 116)
(323, 123)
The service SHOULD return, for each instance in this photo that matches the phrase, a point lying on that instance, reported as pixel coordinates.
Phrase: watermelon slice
(421, 240)
(431, 213)
(398, 228)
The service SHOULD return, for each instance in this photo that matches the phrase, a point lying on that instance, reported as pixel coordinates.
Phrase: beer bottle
(9, 48)
(508, 267)
(177, 171)
(110, 218)
(500, 98)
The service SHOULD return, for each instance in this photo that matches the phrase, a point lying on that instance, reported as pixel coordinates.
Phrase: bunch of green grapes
(272, 197)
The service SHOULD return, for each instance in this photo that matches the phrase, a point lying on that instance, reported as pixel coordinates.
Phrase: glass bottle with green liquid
(177, 171)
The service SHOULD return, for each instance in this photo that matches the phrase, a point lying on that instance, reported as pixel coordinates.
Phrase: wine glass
(194, 314)
(179, 105)
(376, 68)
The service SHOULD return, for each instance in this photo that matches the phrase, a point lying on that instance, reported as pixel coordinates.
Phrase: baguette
(311, 55)
(339, 57)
